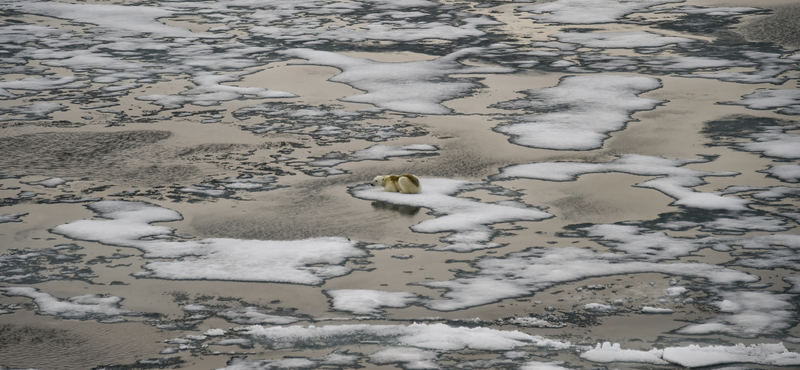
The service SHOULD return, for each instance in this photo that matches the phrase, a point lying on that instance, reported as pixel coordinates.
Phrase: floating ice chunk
(214, 332)
(762, 353)
(523, 273)
(694, 63)
(241, 342)
(656, 310)
(634, 242)
(252, 316)
(632, 39)
(579, 113)
(122, 20)
(676, 291)
(608, 352)
(589, 11)
(788, 100)
(598, 307)
(84, 307)
(532, 322)
(368, 302)
(309, 261)
(785, 172)
(29, 112)
(751, 314)
(39, 84)
(427, 336)
(408, 358)
(774, 142)
(374, 153)
(716, 11)
(677, 182)
(414, 87)
(535, 365)
(205, 191)
(13, 217)
(467, 219)
(210, 91)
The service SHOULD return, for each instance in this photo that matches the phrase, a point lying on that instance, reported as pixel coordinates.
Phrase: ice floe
(525, 273)
(589, 11)
(578, 113)
(774, 142)
(11, 217)
(128, 224)
(255, 316)
(785, 172)
(693, 356)
(368, 302)
(748, 314)
(413, 87)
(439, 337)
(633, 39)
(788, 100)
(83, 307)
(466, 219)
(676, 181)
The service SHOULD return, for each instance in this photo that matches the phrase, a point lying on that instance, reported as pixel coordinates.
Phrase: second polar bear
(404, 183)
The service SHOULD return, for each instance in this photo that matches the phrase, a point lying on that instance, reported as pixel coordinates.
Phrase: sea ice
(763, 353)
(12, 217)
(467, 219)
(589, 11)
(579, 112)
(633, 39)
(676, 181)
(608, 352)
(127, 224)
(524, 273)
(408, 358)
(83, 307)
(414, 87)
(368, 302)
(749, 314)
(438, 337)
(785, 172)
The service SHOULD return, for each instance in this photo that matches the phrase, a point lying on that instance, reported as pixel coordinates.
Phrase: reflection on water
(404, 210)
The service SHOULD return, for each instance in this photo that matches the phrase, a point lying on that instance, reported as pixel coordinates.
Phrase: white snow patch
(83, 307)
(750, 314)
(763, 354)
(579, 112)
(608, 352)
(467, 219)
(632, 39)
(438, 337)
(589, 11)
(676, 181)
(408, 358)
(368, 302)
(128, 224)
(414, 87)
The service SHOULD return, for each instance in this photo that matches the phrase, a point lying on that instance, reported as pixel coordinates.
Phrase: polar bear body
(404, 183)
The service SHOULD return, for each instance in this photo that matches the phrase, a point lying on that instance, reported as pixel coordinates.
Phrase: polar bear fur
(404, 183)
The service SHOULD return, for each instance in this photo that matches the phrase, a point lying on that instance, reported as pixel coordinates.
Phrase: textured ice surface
(439, 337)
(634, 39)
(589, 11)
(414, 87)
(579, 113)
(467, 219)
(84, 307)
(749, 314)
(128, 224)
(368, 302)
(524, 273)
(676, 181)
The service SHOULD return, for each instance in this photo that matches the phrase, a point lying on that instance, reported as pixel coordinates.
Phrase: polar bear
(404, 183)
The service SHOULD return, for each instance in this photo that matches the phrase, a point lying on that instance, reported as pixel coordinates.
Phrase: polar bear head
(378, 181)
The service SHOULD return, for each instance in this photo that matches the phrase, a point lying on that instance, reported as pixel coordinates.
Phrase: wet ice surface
(605, 184)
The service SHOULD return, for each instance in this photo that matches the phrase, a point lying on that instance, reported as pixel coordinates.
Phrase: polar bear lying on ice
(404, 183)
